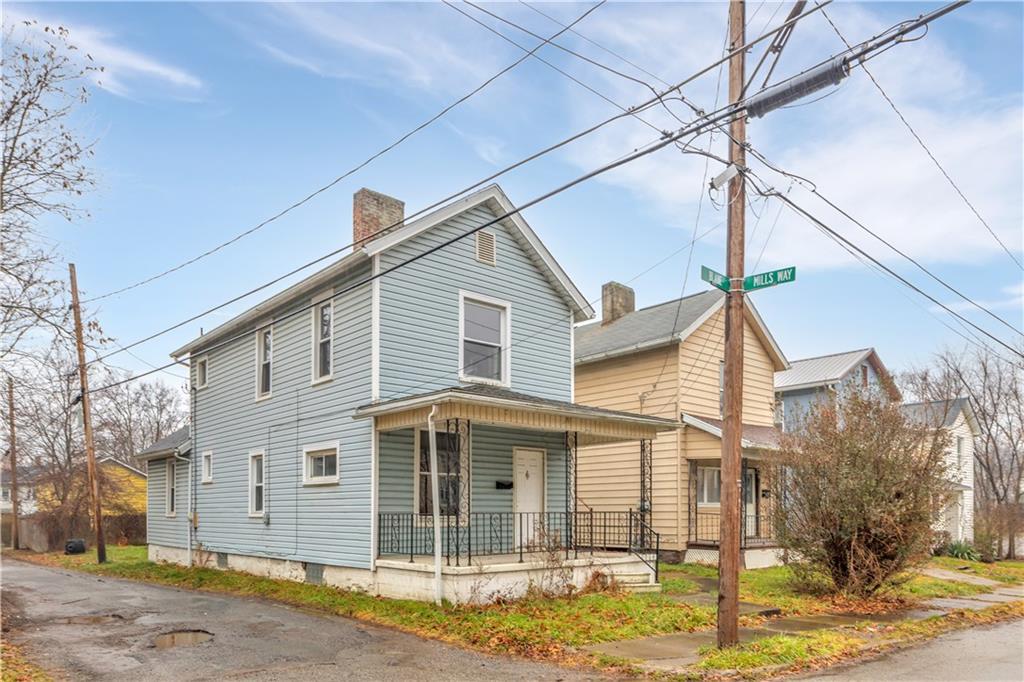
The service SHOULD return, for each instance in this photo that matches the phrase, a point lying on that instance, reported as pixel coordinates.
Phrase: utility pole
(732, 418)
(14, 463)
(90, 447)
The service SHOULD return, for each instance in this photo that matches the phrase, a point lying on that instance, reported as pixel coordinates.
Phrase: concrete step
(633, 578)
(641, 587)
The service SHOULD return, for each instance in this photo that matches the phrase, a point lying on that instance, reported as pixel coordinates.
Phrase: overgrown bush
(859, 488)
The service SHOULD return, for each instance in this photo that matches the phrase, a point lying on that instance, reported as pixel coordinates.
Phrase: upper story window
(864, 376)
(484, 351)
(960, 447)
(170, 503)
(264, 361)
(208, 466)
(323, 334)
(202, 372)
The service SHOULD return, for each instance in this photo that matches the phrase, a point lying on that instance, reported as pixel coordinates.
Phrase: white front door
(528, 492)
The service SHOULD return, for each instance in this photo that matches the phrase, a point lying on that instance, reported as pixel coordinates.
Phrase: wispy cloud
(1013, 298)
(126, 72)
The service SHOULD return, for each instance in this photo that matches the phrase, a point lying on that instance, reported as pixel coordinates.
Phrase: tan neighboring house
(666, 361)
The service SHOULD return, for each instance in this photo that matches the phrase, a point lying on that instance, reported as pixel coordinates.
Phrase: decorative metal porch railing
(757, 530)
(516, 535)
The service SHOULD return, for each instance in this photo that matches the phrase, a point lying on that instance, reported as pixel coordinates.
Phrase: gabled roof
(660, 325)
(493, 197)
(825, 370)
(128, 467)
(942, 413)
(176, 443)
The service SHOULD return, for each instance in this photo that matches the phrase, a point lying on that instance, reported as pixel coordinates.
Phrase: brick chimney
(616, 301)
(373, 212)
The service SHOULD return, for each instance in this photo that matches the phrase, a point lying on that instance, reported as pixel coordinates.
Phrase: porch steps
(637, 582)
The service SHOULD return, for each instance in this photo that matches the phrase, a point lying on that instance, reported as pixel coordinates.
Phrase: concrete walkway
(679, 650)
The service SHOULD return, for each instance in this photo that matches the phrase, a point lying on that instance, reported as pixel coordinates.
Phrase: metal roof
(645, 328)
(940, 413)
(821, 370)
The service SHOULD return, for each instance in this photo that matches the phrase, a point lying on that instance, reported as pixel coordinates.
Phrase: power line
(924, 146)
(693, 129)
(892, 273)
(638, 108)
(812, 187)
(355, 168)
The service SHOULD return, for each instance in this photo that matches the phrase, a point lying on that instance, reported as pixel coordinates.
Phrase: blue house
(401, 422)
(811, 379)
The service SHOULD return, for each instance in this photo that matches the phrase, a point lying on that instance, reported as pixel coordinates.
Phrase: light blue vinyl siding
(798, 403)
(490, 461)
(327, 523)
(161, 529)
(419, 323)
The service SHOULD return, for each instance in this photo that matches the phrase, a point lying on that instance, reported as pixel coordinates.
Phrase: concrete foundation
(485, 580)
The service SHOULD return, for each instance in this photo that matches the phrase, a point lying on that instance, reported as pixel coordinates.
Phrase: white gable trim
(582, 310)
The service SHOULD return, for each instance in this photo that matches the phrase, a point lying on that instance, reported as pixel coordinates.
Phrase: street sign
(769, 279)
(715, 279)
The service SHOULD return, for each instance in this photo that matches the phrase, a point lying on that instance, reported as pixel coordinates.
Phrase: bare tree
(994, 388)
(43, 172)
(133, 416)
(859, 489)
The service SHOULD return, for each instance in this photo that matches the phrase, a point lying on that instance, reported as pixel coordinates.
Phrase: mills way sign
(715, 279)
(769, 279)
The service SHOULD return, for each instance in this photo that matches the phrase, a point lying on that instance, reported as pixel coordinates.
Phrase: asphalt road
(989, 654)
(90, 628)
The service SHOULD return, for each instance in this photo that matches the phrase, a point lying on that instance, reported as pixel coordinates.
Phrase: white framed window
(264, 361)
(170, 499)
(960, 443)
(257, 482)
(6, 494)
(202, 371)
(320, 463)
(208, 466)
(709, 485)
(451, 472)
(323, 340)
(484, 339)
(486, 247)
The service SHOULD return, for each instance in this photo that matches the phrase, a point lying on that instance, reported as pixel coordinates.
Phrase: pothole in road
(181, 638)
(97, 619)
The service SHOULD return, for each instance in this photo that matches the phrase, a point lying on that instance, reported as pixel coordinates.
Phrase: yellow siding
(699, 358)
(122, 491)
(608, 476)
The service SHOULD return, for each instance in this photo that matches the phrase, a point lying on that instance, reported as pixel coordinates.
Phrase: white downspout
(436, 507)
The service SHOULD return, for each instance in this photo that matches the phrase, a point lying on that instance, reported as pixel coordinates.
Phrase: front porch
(479, 481)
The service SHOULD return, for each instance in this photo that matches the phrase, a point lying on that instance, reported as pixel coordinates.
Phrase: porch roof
(753, 437)
(499, 406)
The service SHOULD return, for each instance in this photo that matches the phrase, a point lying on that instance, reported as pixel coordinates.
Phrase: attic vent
(485, 247)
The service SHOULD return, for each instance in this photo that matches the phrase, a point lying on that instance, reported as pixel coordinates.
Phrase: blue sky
(211, 117)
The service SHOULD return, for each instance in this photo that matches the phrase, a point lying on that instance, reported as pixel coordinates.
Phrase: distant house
(400, 422)
(811, 379)
(957, 419)
(666, 361)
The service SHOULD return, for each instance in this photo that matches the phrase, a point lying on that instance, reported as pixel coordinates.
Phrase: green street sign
(769, 279)
(715, 279)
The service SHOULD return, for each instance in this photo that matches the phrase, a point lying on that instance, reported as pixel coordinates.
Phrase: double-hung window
(484, 352)
(449, 474)
(321, 463)
(709, 485)
(264, 361)
(323, 328)
(170, 502)
(257, 486)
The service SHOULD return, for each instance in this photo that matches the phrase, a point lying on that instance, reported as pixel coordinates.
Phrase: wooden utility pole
(14, 463)
(732, 418)
(90, 447)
